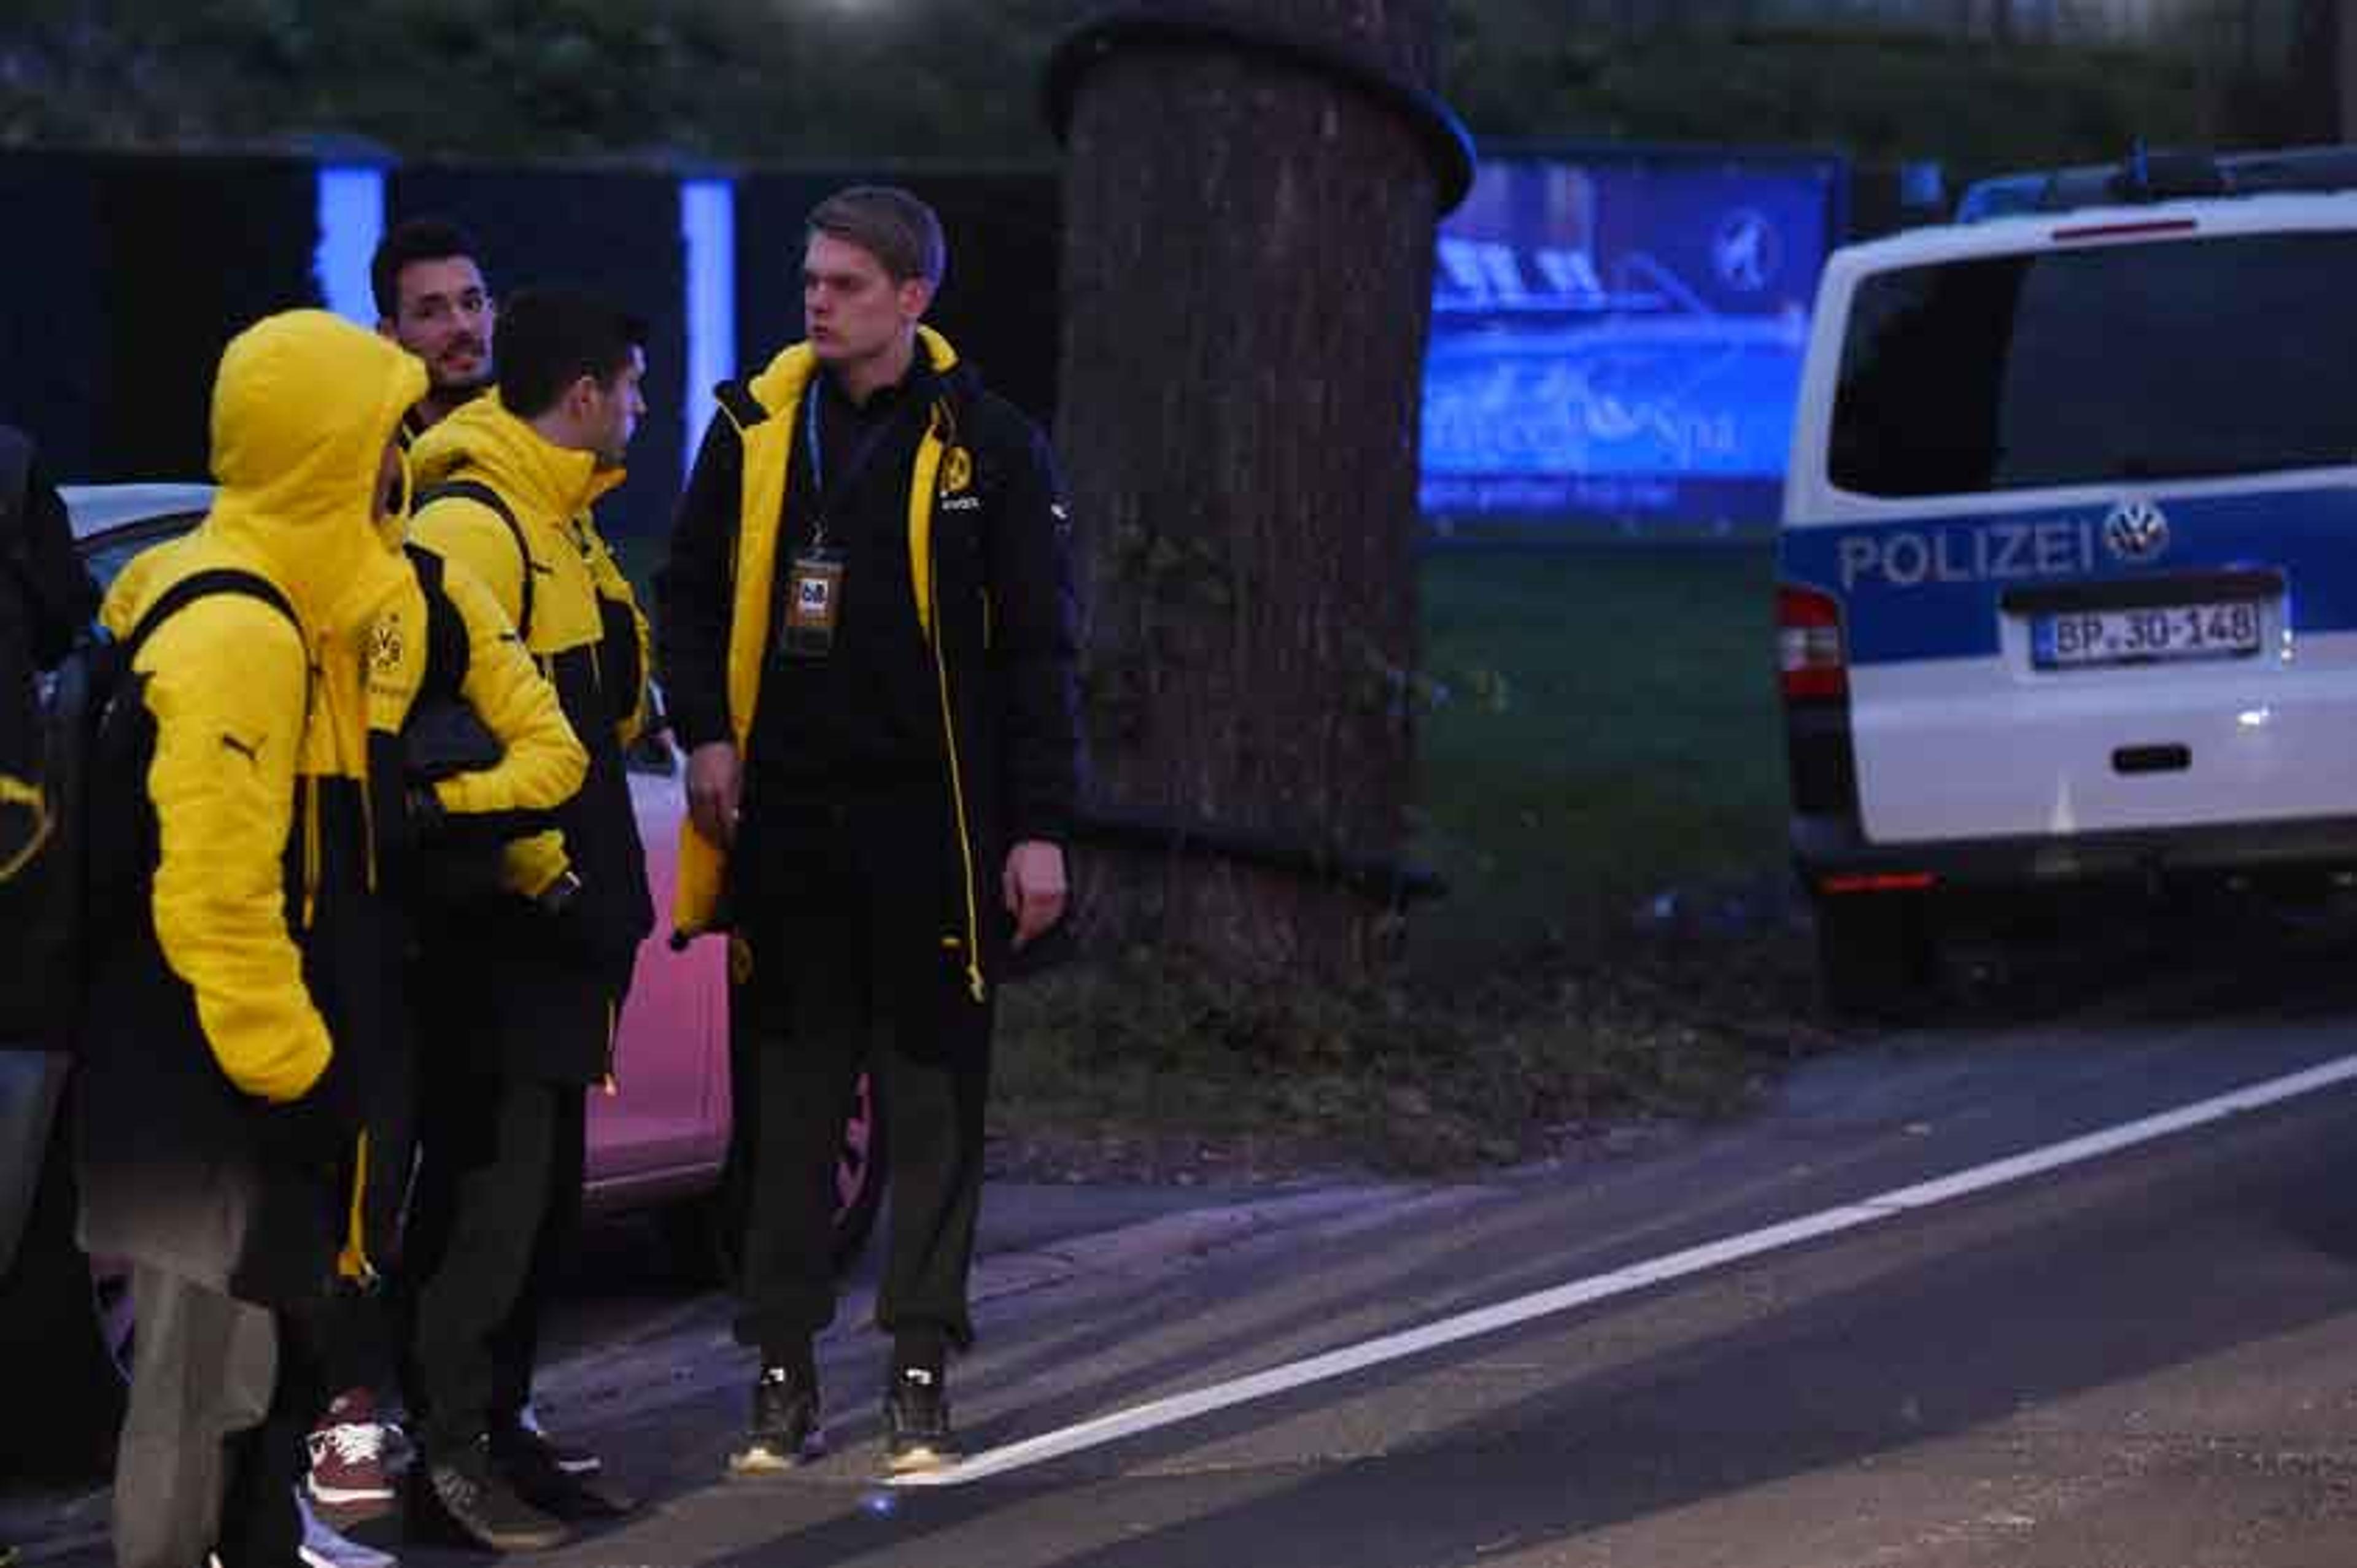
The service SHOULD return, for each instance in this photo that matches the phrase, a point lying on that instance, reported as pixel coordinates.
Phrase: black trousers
(850, 973)
(498, 1201)
(356, 1331)
(211, 1446)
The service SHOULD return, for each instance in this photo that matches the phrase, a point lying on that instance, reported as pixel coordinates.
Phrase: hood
(539, 477)
(303, 407)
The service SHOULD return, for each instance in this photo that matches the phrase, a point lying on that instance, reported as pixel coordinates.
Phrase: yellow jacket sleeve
(469, 534)
(226, 686)
(544, 764)
(613, 586)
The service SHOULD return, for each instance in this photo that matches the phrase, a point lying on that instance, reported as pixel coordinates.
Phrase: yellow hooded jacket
(584, 631)
(264, 858)
(226, 676)
(574, 575)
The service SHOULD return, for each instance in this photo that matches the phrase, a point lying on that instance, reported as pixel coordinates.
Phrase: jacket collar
(540, 479)
(780, 385)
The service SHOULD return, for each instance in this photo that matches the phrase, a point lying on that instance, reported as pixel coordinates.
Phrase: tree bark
(1247, 269)
(2344, 29)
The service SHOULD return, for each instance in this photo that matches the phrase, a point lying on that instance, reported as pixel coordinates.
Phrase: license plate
(2220, 629)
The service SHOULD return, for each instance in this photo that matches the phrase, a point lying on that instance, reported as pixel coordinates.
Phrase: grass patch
(1607, 730)
(1136, 1069)
(1610, 730)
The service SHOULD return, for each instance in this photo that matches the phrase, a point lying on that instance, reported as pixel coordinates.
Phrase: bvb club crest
(385, 647)
(957, 470)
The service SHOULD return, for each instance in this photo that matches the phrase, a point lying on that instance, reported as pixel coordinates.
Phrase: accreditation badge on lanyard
(813, 606)
(813, 602)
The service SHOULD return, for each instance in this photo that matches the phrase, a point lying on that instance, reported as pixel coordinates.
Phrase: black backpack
(77, 896)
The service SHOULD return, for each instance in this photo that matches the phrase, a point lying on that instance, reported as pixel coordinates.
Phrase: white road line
(1170, 1410)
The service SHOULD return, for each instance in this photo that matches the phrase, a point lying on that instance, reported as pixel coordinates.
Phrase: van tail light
(1812, 664)
(1880, 882)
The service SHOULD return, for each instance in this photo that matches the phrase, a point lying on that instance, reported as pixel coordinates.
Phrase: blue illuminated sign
(1618, 335)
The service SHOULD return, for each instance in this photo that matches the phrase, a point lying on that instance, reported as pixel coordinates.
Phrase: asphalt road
(1764, 1345)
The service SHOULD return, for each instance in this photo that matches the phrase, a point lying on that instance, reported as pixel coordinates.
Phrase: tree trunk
(1247, 265)
(2344, 34)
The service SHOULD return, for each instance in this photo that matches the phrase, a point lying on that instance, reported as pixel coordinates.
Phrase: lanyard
(851, 471)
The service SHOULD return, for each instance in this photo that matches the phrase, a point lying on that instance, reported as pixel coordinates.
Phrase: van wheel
(704, 1235)
(1875, 956)
(66, 1386)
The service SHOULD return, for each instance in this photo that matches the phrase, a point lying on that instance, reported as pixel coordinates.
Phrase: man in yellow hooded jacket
(229, 1025)
(519, 1013)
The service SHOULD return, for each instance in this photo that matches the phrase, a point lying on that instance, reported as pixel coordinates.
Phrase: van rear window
(2203, 358)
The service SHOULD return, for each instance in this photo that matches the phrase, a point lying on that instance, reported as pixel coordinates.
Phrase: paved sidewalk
(1035, 1237)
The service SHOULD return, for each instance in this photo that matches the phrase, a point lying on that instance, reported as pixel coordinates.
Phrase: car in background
(658, 1141)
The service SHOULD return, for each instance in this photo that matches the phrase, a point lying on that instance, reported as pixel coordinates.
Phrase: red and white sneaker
(348, 1456)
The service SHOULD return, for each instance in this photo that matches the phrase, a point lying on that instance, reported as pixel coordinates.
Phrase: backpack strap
(447, 655)
(483, 495)
(201, 584)
(218, 580)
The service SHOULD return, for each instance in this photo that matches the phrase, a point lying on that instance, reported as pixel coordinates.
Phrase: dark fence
(127, 275)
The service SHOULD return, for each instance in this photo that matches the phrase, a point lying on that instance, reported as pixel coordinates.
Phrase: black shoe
(571, 1458)
(785, 1430)
(917, 1434)
(463, 1499)
(536, 1468)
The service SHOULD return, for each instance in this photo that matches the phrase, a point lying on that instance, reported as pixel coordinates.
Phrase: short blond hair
(890, 224)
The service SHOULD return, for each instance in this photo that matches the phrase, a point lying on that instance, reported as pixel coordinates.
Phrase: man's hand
(1035, 887)
(716, 784)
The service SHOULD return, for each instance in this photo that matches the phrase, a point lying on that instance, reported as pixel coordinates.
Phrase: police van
(2068, 570)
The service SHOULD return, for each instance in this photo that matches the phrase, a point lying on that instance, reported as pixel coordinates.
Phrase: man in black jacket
(868, 644)
(45, 596)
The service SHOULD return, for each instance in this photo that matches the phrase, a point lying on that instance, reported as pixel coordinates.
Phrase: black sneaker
(535, 1467)
(462, 1497)
(917, 1434)
(568, 1457)
(785, 1430)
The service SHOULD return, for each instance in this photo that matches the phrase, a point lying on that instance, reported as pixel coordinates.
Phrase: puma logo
(251, 752)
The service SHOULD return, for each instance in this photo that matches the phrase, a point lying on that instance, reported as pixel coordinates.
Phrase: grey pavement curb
(586, 1391)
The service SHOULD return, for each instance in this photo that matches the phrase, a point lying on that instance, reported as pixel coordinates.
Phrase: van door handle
(2170, 759)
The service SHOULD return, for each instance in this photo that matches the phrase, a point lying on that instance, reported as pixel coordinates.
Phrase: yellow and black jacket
(469, 655)
(254, 986)
(989, 567)
(545, 992)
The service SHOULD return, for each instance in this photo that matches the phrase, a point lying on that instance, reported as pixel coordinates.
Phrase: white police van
(2068, 570)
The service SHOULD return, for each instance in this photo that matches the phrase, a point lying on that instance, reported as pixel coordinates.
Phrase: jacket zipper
(975, 982)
